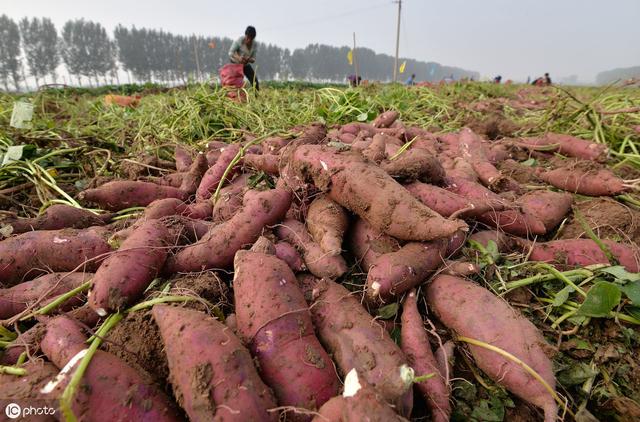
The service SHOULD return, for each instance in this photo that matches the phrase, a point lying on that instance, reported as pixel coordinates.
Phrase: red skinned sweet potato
(183, 159)
(547, 206)
(358, 402)
(349, 333)
(327, 222)
(444, 358)
(414, 342)
(230, 199)
(17, 298)
(385, 119)
(570, 146)
(213, 176)
(273, 319)
(454, 299)
(267, 163)
(518, 222)
(25, 392)
(481, 198)
(442, 201)
(319, 263)
(125, 274)
(110, 390)
(274, 144)
(32, 254)
(193, 175)
(394, 273)
(502, 241)
(290, 255)
(58, 216)
(368, 191)
(211, 371)
(218, 247)
(368, 244)
(172, 179)
(414, 164)
(121, 194)
(585, 180)
(581, 252)
(376, 149)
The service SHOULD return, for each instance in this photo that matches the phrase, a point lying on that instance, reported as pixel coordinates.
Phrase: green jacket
(239, 47)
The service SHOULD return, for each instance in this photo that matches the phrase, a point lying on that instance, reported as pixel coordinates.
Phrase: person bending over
(243, 51)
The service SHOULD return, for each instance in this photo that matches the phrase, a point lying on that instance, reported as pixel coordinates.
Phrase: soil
(608, 219)
(518, 172)
(495, 126)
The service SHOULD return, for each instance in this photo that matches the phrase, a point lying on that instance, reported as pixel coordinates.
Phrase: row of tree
(87, 51)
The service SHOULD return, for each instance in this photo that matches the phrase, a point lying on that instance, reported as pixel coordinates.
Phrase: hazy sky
(515, 38)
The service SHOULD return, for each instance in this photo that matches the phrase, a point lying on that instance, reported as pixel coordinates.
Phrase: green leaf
(17, 152)
(530, 162)
(491, 410)
(600, 300)
(632, 291)
(576, 374)
(362, 117)
(389, 311)
(562, 296)
(620, 273)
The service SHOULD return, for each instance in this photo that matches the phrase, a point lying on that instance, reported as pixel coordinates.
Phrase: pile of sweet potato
(292, 224)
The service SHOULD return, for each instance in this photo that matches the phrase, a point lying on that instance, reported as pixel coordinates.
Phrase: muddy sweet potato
(17, 298)
(230, 199)
(394, 273)
(385, 119)
(414, 342)
(503, 242)
(376, 149)
(56, 217)
(327, 222)
(110, 389)
(290, 255)
(482, 199)
(443, 201)
(273, 320)
(518, 222)
(183, 159)
(121, 194)
(210, 370)
(319, 263)
(368, 191)
(125, 274)
(218, 247)
(267, 163)
(32, 254)
(368, 244)
(25, 390)
(568, 145)
(358, 402)
(193, 175)
(475, 312)
(213, 176)
(414, 164)
(349, 333)
(585, 180)
(581, 252)
(547, 206)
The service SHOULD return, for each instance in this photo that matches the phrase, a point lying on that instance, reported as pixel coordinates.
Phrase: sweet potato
(273, 144)
(193, 175)
(348, 332)
(475, 312)
(460, 268)
(585, 180)
(121, 194)
(173, 206)
(394, 273)
(547, 206)
(218, 247)
(375, 150)
(267, 163)
(385, 119)
(358, 402)
(110, 389)
(58, 216)
(273, 320)
(230, 199)
(442, 201)
(327, 222)
(27, 342)
(444, 359)
(319, 263)
(290, 255)
(17, 298)
(25, 391)
(32, 254)
(482, 199)
(514, 221)
(415, 164)
(172, 179)
(367, 244)
(502, 241)
(183, 159)
(414, 342)
(211, 371)
(371, 193)
(125, 274)
(570, 146)
(581, 252)
(455, 243)
(213, 176)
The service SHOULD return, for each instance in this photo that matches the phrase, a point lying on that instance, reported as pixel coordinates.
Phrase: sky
(513, 38)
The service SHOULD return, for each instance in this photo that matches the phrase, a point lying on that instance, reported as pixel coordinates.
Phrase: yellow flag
(402, 66)
(350, 57)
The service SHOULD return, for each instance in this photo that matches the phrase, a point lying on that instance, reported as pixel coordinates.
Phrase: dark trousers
(251, 75)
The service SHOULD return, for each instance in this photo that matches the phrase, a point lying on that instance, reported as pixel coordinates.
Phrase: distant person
(547, 79)
(542, 80)
(528, 80)
(353, 81)
(497, 79)
(411, 80)
(243, 51)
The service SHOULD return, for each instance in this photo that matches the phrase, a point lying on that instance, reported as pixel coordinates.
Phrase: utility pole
(395, 62)
(355, 62)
